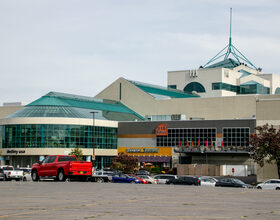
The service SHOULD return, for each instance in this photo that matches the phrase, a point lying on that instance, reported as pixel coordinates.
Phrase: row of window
(61, 136)
(242, 89)
(203, 137)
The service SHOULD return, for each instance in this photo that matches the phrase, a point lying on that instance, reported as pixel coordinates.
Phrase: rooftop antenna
(230, 49)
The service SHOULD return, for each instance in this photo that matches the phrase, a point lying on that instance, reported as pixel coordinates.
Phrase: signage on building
(161, 130)
(142, 150)
(16, 152)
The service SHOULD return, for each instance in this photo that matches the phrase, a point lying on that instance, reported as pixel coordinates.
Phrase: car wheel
(277, 188)
(35, 176)
(132, 182)
(100, 180)
(60, 175)
(259, 187)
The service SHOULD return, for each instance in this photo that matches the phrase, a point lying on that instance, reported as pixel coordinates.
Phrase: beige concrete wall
(132, 96)
(274, 81)
(268, 110)
(268, 171)
(255, 78)
(7, 110)
(59, 120)
(198, 170)
(208, 108)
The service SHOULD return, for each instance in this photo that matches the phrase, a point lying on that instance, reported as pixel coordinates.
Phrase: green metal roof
(228, 63)
(159, 92)
(56, 104)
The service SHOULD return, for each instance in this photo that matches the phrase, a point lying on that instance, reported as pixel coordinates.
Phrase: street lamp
(92, 138)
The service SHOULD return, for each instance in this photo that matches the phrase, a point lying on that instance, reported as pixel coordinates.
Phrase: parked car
(2, 175)
(26, 173)
(61, 167)
(232, 182)
(142, 172)
(148, 179)
(102, 176)
(139, 178)
(270, 184)
(11, 174)
(162, 178)
(207, 181)
(185, 180)
(123, 178)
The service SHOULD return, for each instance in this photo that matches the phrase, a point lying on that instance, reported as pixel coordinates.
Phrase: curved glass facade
(58, 136)
(277, 90)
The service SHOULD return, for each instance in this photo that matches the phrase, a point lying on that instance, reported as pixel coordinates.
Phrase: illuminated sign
(161, 130)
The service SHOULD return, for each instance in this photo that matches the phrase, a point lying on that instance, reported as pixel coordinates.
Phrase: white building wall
(274, 81)
(207, 76)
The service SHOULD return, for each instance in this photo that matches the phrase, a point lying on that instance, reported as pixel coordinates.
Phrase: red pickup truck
(61, 167)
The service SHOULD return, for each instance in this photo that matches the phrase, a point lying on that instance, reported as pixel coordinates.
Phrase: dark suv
(185, 180)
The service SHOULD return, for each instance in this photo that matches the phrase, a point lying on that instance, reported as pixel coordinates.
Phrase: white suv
(270, 184)
(162, 178)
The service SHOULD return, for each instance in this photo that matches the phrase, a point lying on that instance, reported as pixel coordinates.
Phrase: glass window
(49, 159)
(58, 136)
(66, 158)
(187, 136)
(236, 137)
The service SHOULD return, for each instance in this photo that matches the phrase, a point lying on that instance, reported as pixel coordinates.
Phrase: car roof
(165, 175)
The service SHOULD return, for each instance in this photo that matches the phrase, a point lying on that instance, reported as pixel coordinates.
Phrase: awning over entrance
(160, 159)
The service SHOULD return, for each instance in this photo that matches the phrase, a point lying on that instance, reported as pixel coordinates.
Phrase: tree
(78, 153)
(265, 145)
(125, 163)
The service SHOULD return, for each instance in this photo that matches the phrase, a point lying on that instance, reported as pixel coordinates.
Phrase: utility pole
(93, 135)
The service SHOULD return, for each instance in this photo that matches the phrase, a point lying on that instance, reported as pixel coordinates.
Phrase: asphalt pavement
(87, 200)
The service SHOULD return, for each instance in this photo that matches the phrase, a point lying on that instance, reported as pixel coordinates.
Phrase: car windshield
(144, 177)
(169, 177)
(8, 168)
(238, 181)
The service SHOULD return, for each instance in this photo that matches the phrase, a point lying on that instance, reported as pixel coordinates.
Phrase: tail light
(9, 173)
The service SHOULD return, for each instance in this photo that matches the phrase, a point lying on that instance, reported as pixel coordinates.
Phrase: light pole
(92, 138)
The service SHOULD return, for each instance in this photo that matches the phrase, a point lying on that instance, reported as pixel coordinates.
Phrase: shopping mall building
(202, 116)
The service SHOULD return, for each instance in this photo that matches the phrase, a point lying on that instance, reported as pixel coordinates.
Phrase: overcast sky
(82, 46)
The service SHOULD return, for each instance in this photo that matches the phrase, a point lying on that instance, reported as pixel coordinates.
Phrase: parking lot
(87, 200)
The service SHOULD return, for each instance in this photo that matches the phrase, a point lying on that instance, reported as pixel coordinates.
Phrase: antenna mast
(229, 43)
(230, 49)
